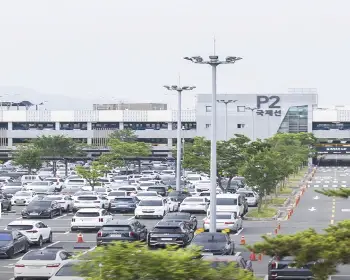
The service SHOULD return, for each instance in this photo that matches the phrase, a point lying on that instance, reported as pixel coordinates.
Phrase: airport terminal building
(254, 115)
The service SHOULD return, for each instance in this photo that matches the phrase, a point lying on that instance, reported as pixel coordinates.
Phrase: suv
(5, 202)
(283, 268)
(170, 233)
(179, 196)
(231, 203)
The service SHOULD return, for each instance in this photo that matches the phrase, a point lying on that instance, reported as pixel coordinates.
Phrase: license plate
(167, 239)
(115, 235)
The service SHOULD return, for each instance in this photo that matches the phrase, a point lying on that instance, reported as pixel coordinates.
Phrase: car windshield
(127, 189)
(116, 194)
(151, 203)
(14, 184)
(39, 184)
(226, 201)
(68, 270)
(19, 227)
(124, 199)
(193, 178)
(40, 255)
(75, 181)
(144, 179)
(23, 194)
(4, 236)
(156, 189)
(120, 178)
(53, 198)
(116, 228)
(147, 194)
(193, 199)
(167, 229)
(205, 238)
(87, 198)
(223, 217)
(40, 203)
(87, 214)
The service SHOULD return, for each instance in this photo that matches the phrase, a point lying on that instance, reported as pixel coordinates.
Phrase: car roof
(24, 222)
(153, 198)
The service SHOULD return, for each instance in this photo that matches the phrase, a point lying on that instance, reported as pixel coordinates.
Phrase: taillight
(132, 234)
(229, 223)
(53, 265)
(99, 234)
(100, 220)
(206, 222)
(32, 231)
(73, 220)
(19, 265)
(273, 265)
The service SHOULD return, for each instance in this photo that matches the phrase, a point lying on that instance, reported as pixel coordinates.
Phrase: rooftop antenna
(179, 80)
(214, 45)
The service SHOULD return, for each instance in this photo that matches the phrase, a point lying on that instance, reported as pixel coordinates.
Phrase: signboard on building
(268, 105)
(333, 150)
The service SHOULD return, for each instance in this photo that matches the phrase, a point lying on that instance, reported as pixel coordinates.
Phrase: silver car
(225, 221)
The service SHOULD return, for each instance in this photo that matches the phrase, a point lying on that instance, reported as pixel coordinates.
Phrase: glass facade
(295, 120)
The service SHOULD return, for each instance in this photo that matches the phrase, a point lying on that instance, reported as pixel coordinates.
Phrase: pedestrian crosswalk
(328, 186)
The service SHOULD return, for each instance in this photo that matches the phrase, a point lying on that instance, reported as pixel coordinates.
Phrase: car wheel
(40, 242)
(49, 240)
(68, 209)
(9, 208)
(60, 212)
(51, 215)
(10, 253)
(137, 217)
(72, 229)
(26, 248)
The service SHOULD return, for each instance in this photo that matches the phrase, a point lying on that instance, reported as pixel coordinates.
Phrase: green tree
(327, 250)
(92, 174)
(120, 151)
(56, 146)
(124, 135)
(118, 261)
(28, 157)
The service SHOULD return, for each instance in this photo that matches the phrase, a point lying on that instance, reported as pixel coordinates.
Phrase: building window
(208, 108)
(207, 125)
(240, 125)
(185, 126)
(240, 108)
(295, 120)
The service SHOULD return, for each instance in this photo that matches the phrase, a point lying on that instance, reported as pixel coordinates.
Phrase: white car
(75, 181)
(22, 198)
(89, 201)
(36, 231)
(144, 185)
(90, 219)
(193, 179)
(251, 197)
(225, 220)
(173, 204)
(152, 207)
(130, 190)
(65, 201)
(204, 194)
(67, 271)
(145, 195)
(115, 193)
(203, 185)
(102, 190)
(40, 263)
(58, 182)
(194, 204)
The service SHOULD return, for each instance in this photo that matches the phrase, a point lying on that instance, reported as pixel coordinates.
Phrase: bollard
(276, 231)
(242, 240)
(279, 226)
(260, 257)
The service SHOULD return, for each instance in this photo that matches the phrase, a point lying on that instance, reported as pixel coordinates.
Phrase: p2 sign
(272, 101)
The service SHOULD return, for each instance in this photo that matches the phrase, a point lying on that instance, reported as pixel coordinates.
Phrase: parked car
(65, 201)
(183, 216)
(67, 271)
(179, 196)
(92, 218)
(214, 243)
(170, 233)
(251, 197)
(225, 221)
(152, 207)
(219, 261)
(42, 208)
(123, 204)
(22, 197)
(12, 242)
(194, 204)
(36, 231)
(121, 230)
(283, 268)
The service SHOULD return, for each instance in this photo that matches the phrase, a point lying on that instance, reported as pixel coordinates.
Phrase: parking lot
(62, 237)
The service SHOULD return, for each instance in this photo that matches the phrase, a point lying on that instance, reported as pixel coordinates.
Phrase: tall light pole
(214, 62)
(253, 120)
(183, 151)
(226, 102)
(179, 90)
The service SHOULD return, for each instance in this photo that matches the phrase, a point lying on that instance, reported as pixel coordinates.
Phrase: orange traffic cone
(242, 240)
(260, 257)
(252, 256)
(80, 238)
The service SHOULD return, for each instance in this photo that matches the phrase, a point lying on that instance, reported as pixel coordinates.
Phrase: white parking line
(238, 232)
(131, 218)
(59, 217)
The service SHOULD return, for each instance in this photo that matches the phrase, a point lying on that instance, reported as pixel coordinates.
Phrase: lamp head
(167, 87)
(232, 59)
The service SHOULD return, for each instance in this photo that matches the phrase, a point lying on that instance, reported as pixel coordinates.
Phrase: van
(26, 179)
(231, 203)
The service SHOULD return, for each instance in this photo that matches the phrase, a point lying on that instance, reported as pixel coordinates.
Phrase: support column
(9, 140)
(57, 125)
(90, 135)
(121, 125)
(170, 147)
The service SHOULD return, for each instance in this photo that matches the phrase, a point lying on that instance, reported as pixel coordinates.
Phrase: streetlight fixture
(226, 102)
(39, 104)
(179, 90)
(214, 62)
(253, 120)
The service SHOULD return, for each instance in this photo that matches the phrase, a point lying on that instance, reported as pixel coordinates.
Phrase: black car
(170, 233)
(179, 196)
(214, 243)
(182, 216)
(12, 242)
(121, 230)
(5, 202)
(123, 204)
(161, 190)
(284, 268)
(42, 208)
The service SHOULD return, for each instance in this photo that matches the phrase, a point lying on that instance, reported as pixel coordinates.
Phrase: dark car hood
(38, 209)
(212, 246)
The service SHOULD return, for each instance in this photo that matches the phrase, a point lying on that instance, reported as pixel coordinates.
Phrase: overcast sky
(126, 50)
